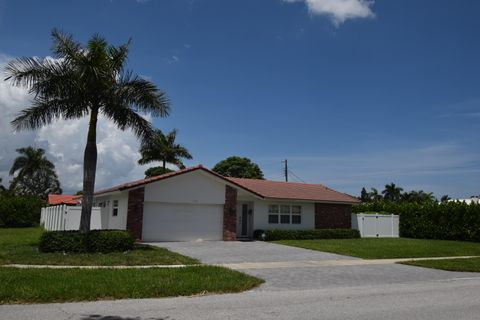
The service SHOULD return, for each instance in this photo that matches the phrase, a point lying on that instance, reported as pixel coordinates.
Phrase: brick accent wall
(230, 214)
(135, 212)
(333, 216)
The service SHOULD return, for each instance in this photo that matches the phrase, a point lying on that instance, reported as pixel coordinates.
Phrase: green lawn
(385, 248)
(465, 265)
(19, 246)
(61, 285)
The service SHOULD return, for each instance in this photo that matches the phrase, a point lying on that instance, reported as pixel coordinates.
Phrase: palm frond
(124, 117)
(143, 95)
(65, 47)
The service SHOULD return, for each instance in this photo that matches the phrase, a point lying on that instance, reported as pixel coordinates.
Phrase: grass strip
(389, 248)
(462, 265)
(64, 285)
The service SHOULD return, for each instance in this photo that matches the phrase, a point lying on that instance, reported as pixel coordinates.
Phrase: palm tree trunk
(89, 170)
(164, 164)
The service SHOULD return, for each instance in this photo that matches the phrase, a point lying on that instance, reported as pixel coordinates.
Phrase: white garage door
(182, 222)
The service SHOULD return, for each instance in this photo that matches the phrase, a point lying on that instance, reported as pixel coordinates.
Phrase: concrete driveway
(222, 252)
(289, 276)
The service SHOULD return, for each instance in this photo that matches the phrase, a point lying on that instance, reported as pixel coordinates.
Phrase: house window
(273, 213)
(296, 214)
(284, 214)
(273, 218)
(285, 219)
(115, 208)
(272, 208)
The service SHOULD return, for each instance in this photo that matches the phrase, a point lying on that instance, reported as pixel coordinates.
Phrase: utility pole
(286, 170)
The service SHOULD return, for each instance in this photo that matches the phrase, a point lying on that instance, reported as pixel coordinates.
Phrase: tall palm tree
(86, 81)
(374, 195)
(163, 148)
(392, 192)
(35, 174)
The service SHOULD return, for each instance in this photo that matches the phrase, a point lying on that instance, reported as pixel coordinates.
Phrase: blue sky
(360, 95)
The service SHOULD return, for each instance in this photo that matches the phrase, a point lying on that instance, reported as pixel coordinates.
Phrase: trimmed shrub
(276, 234)
(103, 241)
(444, 221)
(20, 212)
(109, 240)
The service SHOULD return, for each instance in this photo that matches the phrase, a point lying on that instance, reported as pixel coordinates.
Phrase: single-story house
(197, 203)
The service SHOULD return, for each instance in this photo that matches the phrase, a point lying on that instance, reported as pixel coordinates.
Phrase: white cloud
(64, 142)
(340, 10)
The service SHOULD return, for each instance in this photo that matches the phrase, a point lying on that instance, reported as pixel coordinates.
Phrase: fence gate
(376, 225)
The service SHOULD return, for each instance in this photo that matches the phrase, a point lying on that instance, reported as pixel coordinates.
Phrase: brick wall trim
(333, 216)
(230, 214)
(135, 212)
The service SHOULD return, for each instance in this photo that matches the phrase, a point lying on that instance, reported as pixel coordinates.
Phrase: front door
(244, 220)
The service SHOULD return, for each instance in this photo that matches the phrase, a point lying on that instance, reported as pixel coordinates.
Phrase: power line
(293, 174)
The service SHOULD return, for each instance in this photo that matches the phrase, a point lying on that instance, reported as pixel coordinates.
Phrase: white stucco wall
(260, 216)
(193, 187)
(108, 220)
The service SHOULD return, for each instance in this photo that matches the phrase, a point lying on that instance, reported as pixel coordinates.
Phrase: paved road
(324, 292)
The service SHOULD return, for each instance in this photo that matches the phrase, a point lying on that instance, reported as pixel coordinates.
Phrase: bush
(444, 221)
(20, 212)
(272, 235)
(103, 241)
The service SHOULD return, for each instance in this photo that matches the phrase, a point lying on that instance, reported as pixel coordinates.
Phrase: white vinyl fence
(376, 225)
(63, 217)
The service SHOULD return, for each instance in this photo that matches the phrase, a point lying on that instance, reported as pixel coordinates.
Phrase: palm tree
(86, 81)
(35, 174)
(374, 195)
(164, 149)
(418, 196)
(392, 192)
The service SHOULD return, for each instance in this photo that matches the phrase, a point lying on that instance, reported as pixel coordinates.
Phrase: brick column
(230, 214)
(135, 213)
(333, 216)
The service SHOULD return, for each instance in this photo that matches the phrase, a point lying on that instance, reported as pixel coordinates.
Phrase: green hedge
(447, 221)
(272, 235)
(20, 212)
(103, 241)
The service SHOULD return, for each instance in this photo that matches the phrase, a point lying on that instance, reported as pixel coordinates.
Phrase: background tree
(35, 174)
(392, 192)
(238, 167)
(418, 197)
(156, 171)
(374, 195)
(364, 196)
(2, 188)
(86, 81)
(163, 148)
(445, 198)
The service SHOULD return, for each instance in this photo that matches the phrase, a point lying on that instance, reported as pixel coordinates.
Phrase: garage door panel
(182, 222)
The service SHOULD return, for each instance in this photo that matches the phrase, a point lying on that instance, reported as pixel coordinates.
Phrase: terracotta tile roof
(294, 191)
(54, 199)
(261, 188)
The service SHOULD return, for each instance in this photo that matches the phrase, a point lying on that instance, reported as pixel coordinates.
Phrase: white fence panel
(63, 217)
(376, 225)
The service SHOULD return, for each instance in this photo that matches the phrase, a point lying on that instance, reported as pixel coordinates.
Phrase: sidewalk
(255, 265)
